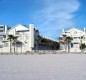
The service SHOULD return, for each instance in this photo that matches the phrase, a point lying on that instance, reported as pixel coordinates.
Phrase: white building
(76, 34)
(26, 38)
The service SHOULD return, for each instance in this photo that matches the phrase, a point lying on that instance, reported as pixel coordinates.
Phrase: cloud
(55, 15)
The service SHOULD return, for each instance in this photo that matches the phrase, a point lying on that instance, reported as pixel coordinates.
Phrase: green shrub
(82, 46)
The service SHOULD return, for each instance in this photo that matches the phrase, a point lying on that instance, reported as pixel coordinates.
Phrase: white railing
(45, 51)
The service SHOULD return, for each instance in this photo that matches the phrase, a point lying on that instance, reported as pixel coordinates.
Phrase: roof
(22, 27)
(74, 29)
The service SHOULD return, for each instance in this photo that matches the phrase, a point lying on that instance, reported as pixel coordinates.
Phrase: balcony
(2, 33)
(76, 40)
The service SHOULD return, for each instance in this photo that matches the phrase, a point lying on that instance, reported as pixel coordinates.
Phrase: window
(1, 30)
(83, 38)
(1, 38)
(75, 32)
(5, 44)
(1, 46)
(76, 45)
(17, 33)
(71, 45)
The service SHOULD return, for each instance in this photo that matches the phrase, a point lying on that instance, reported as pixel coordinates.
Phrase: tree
(68, 40)
(82, 46)
(14, 41)
(10, 38)
(38, 39)
(55, 45)
(62, 40)
(45, 42)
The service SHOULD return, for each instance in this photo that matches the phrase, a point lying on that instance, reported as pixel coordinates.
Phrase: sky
(48, 16)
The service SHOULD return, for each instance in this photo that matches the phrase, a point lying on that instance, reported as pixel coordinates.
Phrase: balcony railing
(2, 33)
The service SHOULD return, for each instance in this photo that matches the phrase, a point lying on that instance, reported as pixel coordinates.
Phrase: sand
(43, 67)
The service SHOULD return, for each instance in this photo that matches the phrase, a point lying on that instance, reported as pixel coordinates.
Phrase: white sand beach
(43, 67)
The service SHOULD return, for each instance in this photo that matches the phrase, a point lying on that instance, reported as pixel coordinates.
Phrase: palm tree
(10, 38)
(14, 41)
(82, 46)
(62, 40)
(38, 39)
(68, 40)
(81, 42)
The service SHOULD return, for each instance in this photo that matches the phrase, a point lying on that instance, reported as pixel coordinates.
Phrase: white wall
(31, 36)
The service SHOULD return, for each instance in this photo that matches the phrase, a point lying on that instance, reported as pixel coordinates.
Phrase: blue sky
(49, 16)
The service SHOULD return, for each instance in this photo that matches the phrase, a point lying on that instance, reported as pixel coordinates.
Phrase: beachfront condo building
(78, 37)
(26, 40)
